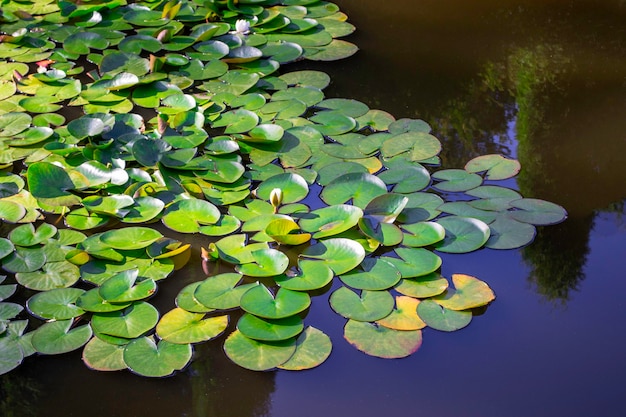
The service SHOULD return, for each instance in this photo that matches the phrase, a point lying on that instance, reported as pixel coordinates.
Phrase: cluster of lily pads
(187, 119)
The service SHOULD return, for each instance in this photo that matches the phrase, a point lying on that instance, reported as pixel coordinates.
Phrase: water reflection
(544, 81)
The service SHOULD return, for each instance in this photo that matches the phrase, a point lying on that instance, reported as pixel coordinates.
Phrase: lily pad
(294, 188)
(339, 254)
(147, 358)
(422, 234)
(469, 293)
(133, 321)
(404, 316)
(537, 212)
(456, 180)
(424, 286)
(26, 235)
(222, 291)
(381, 341)
(414, 262)
(50, 184)
(497, 167)
(312, 275)
(266, 262)
(187, 301)
(259, 301)
(130, 238)
(332, 220)
(463, 234)
(91, 301)
(313, 347)
(123, 287)
(57, 304)
(269, 330)
(373, 274)
(188, 216)
(102, 356)
(182, 327)
(369, 306)
(358, 187)
(257, 355)
(507, 233)
(441, 318)
(55, 337)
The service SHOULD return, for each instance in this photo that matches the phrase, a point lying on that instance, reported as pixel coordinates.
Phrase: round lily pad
(422, 234)
(404, 316)
(123, 287)
(293, 187)
(26, 235)
(469, 292)
(102, 356)
(332, 220)
(497, 167)
(258, 328)
(257, 355)
(286, 231)
(187, 301)
(372, 274)
(369, 306)
(424, 286)
(312, 348)
(54, 275)
(133, 321)
(222, 291)
(58, 304)
(261, 302)
(130, 238)
(313, 275)
(463, 234)
(182, 327)
(57, 337)
(146, 358)
(537, 212)
(11, 212)
(11, 355)
(414, 262)
(507, 233)
(91, 301)
(358, 187)
(380, 341)
(441, 318)
(187, 216)
(266, 262)
(339, 254)
(456, 180)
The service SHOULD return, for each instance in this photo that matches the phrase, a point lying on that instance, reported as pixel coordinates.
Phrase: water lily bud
(276, 197)
(242, 27)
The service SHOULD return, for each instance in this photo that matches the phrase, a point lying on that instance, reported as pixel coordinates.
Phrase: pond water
(543, 81)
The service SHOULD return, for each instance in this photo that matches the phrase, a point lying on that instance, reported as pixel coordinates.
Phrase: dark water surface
(543, 81)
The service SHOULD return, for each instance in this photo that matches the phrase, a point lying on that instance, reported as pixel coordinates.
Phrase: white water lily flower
(242, 27)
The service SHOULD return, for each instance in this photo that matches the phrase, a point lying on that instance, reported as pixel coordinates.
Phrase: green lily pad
(312, 275)
(313, 347)
(133, 321)
(404, 316)
(414, 262)
(369, 306)
(456, 180)
(187, 301)
(441, 318)
(358, 187)
(286, 231)
(269, 330)
(422, 234)
(102, 356)
(332, 220)
(55, 337)
(507, 233)
(182, 327)
(462, 234)
(497, 167)
(24, 260)
(130, 238)
(339, 254)
(259, 301)
(222, 291)
(11, 355)
(26, 235)
(146, 358)
(420, 207)
(257, 355)
(50, 184)
(294, 188)
(9, 311)
(83, 219)
(373, 274)
(93, 302)
(187, 216)
(537, 212)
(11, 212)
(469, 293)
(57, 304)
(466, 209)
(424, 286)
(123, 287)
(316, 79)
(380, 341)
(266, 263)
(85, 126)
(237, 121)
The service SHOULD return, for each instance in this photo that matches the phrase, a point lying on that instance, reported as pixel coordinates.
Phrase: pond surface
(543, 81)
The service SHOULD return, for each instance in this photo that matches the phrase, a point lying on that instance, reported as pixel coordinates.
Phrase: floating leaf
(312, 348)
(332, 220)
(424, 286)
(129, 323)
(293, 187)
(102, 356)
(26, 235)
(370, 306)
(537, 212)
(462, 234)
(123, 287)
(339, 254)
(506, 233)
(130, 238)
(269, 330)
(469, 293)
(222, 291)
(259, 301)
(147, 358)
(313, 275)
(188, 216)
(181, 327)
(257, 355)
(422, 234)
(50, 184)
(497, 167)
(456, 180)
(266, 262)
(380, 341)
(57, 304)
(441, 318)
(358, 187)
(372, 274)
(55, 337)
(404, 316)
(414, 262)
